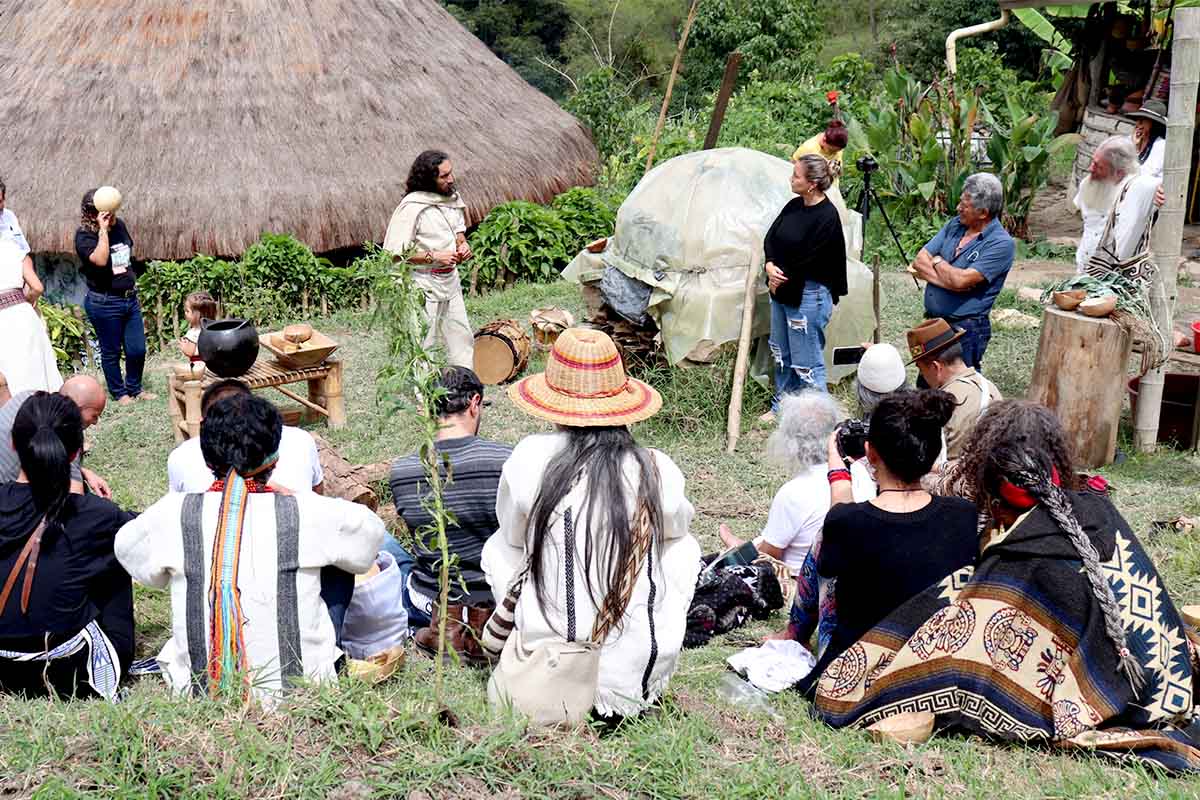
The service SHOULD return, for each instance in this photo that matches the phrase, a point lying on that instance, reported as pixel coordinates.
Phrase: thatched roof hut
(219, 119)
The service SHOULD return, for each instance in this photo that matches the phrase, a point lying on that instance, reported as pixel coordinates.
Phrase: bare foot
(728, 538)
(127, 400)
(147, 396)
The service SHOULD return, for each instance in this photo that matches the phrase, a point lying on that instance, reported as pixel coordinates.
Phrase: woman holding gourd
(105, 251)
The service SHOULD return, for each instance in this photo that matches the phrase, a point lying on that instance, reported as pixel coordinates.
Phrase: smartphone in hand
(848, 355)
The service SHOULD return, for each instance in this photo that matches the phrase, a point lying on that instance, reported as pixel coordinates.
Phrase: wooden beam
(727, 84)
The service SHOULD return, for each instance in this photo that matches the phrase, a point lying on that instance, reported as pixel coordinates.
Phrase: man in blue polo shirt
(966, 263)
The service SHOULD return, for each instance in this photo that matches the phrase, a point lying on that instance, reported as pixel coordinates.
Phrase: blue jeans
(337, 587)
(417, 617)
(118, 324)
(974, 344)
(798, 341)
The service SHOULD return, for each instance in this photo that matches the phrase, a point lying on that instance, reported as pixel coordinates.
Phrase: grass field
(353, 741)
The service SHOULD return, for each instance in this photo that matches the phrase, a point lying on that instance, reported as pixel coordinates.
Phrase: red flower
(832, 97)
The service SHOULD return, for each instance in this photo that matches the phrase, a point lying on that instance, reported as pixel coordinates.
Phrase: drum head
(495, 359)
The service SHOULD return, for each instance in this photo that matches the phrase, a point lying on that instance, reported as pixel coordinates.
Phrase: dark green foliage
(586, 215)
(68, 331)
(519, 34)
(779, 39)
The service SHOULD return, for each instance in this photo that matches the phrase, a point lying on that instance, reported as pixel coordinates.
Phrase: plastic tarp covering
(688, 230)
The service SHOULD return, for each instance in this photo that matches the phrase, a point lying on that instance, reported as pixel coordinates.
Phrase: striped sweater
(470, 495)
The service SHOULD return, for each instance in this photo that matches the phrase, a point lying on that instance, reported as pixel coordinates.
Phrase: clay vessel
(912, 727)
(228, 346)
(1067, 301)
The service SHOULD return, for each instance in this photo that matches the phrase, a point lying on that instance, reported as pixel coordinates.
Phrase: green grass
(352, 741)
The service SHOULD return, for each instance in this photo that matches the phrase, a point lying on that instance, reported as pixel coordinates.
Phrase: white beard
(1097, 197)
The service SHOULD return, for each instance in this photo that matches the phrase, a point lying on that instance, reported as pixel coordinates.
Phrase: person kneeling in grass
(244, 563)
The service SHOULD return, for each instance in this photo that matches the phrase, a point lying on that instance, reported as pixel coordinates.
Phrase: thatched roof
(219, 119)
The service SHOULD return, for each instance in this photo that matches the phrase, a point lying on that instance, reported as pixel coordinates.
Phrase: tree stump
(1080, 375)
(348, 481)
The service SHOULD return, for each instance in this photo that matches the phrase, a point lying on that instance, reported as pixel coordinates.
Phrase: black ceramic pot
(228, 346)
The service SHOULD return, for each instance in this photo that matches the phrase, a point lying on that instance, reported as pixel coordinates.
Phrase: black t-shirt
(120, 260)
(75, 560)
(881, 559)
(807, 243)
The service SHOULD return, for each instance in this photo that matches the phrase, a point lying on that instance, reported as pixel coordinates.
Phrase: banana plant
(1020, 148)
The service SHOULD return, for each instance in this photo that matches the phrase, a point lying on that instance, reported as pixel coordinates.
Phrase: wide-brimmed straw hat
(585, 385)
(931, 337)
(1155, 110)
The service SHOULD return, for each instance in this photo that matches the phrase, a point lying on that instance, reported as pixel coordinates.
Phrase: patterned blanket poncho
(1016, 648)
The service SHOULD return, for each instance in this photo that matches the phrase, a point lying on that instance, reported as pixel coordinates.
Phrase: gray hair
(1120, 154)
(985, 192)
(869, 398)
(802, 436)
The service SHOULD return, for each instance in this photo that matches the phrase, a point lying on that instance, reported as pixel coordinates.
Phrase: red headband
(1020, 498)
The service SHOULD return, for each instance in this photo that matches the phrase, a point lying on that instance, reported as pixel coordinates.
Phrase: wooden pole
(734, 429)
(727, 84)
(1167, 237)
(662, 114)
(875, 299)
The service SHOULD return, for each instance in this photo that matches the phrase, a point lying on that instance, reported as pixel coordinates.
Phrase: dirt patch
(1053, 215)
(1034, 273)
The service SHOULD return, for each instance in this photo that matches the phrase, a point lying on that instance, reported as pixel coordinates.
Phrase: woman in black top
(894, 546)
(105, 251)
(806, 273)
(66, 604)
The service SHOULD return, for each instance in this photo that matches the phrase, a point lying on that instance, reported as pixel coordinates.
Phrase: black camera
(852, 438)
(866, 164)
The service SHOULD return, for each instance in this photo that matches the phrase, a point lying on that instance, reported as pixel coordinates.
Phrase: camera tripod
(868, 167)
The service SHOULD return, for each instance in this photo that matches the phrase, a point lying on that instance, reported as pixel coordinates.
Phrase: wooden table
(324, 393)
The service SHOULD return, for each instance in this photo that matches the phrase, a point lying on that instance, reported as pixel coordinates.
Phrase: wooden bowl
(598, 245)
(1098, 306)
(913, 727)
(1191, 615)
(1067, 301)
(301, 332)
(306, 354)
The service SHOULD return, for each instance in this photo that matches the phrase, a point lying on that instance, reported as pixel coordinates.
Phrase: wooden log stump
(345, 480)
(1080, 375)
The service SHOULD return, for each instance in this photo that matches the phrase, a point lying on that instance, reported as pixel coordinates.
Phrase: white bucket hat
(881, 369)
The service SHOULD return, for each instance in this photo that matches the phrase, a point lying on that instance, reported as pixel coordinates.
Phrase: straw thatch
(220, 119)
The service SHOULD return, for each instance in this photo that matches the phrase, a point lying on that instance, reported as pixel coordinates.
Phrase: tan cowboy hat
(585, 385)
(931, 337)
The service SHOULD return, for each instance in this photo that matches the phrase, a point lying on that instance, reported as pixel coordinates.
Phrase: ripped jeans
(798, 341)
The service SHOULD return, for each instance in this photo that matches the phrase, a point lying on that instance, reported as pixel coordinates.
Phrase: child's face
(191, 315)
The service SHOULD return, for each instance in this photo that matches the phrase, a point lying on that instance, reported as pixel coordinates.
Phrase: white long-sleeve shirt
(287, 626)
(638, 659)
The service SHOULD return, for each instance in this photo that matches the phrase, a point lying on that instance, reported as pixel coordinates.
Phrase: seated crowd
(1009, 609)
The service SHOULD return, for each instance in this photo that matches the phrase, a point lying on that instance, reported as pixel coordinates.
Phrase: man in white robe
(430, 226)
(1114, 183)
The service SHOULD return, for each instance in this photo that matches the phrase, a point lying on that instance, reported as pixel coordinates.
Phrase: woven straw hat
(585, 385)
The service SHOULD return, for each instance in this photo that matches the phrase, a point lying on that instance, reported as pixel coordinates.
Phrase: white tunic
(331, 532)
(298, 468)
(638, 659)
(26, 357)
(1133, 215)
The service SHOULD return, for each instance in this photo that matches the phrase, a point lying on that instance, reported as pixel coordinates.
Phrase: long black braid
(1023, 443)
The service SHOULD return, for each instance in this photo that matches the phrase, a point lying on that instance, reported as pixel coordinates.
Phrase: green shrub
(68, 333)
(586, 214)
(276, 279)
(519, 241)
